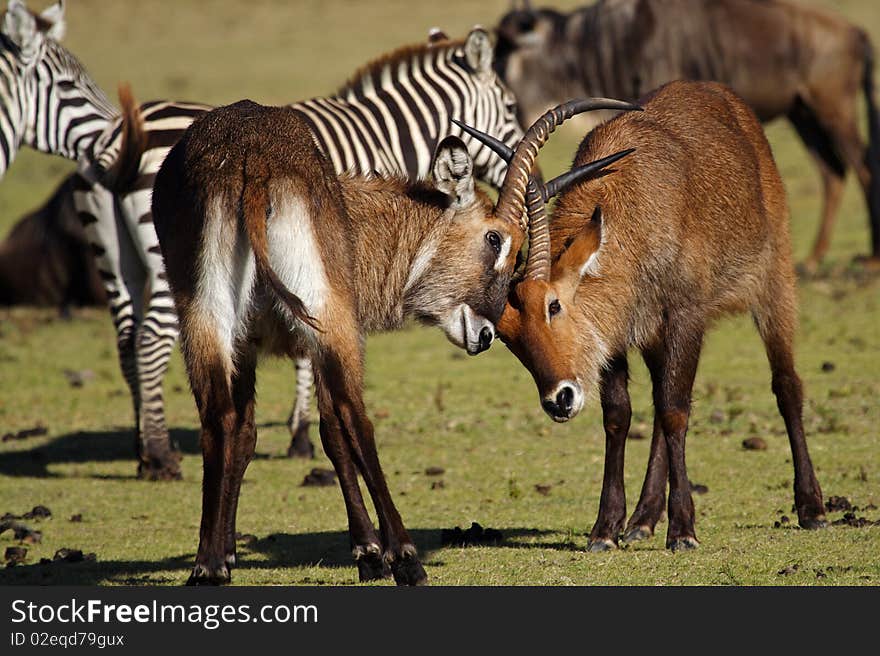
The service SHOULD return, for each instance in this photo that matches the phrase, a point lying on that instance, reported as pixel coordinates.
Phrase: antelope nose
(486, 337)
(564, 402)
(565, 399)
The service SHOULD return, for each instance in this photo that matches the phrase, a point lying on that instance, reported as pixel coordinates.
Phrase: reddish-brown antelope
(264, 246)
(694, 225)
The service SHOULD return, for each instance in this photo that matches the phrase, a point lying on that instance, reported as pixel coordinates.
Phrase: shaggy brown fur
(692, 226)
(265, 247)
(46, 259)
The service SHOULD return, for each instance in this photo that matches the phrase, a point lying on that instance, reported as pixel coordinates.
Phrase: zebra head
(489, 106)
(49, 102)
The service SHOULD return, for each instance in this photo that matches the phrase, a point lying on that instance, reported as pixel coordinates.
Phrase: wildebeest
(266, 247)
(46, 259)
(692, 226)
(782, 58)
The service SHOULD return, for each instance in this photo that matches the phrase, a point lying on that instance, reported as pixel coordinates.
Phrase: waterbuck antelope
(264, 246)
(782, 58)
(692, 226)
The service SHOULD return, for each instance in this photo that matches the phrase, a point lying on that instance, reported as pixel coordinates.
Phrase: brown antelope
(785, 59)
(694, 225)
(264, 246)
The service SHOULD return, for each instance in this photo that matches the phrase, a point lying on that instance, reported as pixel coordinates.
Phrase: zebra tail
(873, 154)
(256, 209)
(124, 171)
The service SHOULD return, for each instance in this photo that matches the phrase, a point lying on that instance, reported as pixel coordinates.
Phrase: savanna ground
(478, 419)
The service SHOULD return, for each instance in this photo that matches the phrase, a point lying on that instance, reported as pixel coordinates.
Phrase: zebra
(47, 99)
(386, 120)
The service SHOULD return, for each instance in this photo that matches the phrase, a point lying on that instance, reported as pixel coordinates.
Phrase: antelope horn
(511, 198)
(562, 182)
(556, 185)
(500, 148)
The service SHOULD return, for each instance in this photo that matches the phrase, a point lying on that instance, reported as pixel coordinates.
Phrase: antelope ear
(581, 257)
(20, 26)
(55, 16)
(478, 51)
(453, 171)
(508, 325)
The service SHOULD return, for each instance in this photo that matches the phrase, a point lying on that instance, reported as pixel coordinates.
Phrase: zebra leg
(154, 340)
(110, 245)
(299, 420)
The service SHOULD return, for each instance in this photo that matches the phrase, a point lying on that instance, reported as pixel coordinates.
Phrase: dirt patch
(21, 532)
(36, 431)
(15, 555)
(435, 471)
(65, 555)
(835, 504)
(850, 519)
(319, 477)
(474, 536)
(543, 490)
(698, 488)
(754, 444)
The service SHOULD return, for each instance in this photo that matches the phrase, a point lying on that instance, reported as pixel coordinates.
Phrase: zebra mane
(375, 67)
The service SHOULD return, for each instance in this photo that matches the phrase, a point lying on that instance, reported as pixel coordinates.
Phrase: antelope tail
(124, 171)
(256, 208)
(873, 155)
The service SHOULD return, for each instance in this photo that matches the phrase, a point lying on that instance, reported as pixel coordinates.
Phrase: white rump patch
(226, 276)
(294, 253)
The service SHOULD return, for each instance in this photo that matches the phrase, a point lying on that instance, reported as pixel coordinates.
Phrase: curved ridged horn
(500, 148)
(512, 196)
(538, 262)
(562, 182)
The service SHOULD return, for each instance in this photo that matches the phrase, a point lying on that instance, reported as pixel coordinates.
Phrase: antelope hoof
(204, 575)
(371, 566)
(682, 544)
(813, 523)
(637, 534)
(602, 544)
(405, 566)
(300, 444)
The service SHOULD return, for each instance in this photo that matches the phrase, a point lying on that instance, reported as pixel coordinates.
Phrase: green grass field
(478, 419)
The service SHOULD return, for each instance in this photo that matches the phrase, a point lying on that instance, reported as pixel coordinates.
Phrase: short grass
(478, 419)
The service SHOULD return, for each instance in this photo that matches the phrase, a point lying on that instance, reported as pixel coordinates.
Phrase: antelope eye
(494, 240)
(554, 308)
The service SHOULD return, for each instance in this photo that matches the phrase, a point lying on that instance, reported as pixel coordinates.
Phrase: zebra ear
(478, 51)
(54, 15)
(20, 26)
(453, 172)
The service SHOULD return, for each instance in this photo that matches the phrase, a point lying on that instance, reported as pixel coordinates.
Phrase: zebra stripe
(49, 102)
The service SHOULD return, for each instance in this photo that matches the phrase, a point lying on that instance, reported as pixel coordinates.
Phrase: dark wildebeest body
(46, 260)
(782, 58)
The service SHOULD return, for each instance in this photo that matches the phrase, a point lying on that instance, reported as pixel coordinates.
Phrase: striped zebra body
(47, 100)
(386, 121)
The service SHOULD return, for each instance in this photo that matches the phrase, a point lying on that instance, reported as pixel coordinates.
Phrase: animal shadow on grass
(325, 549)
(84, 447)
